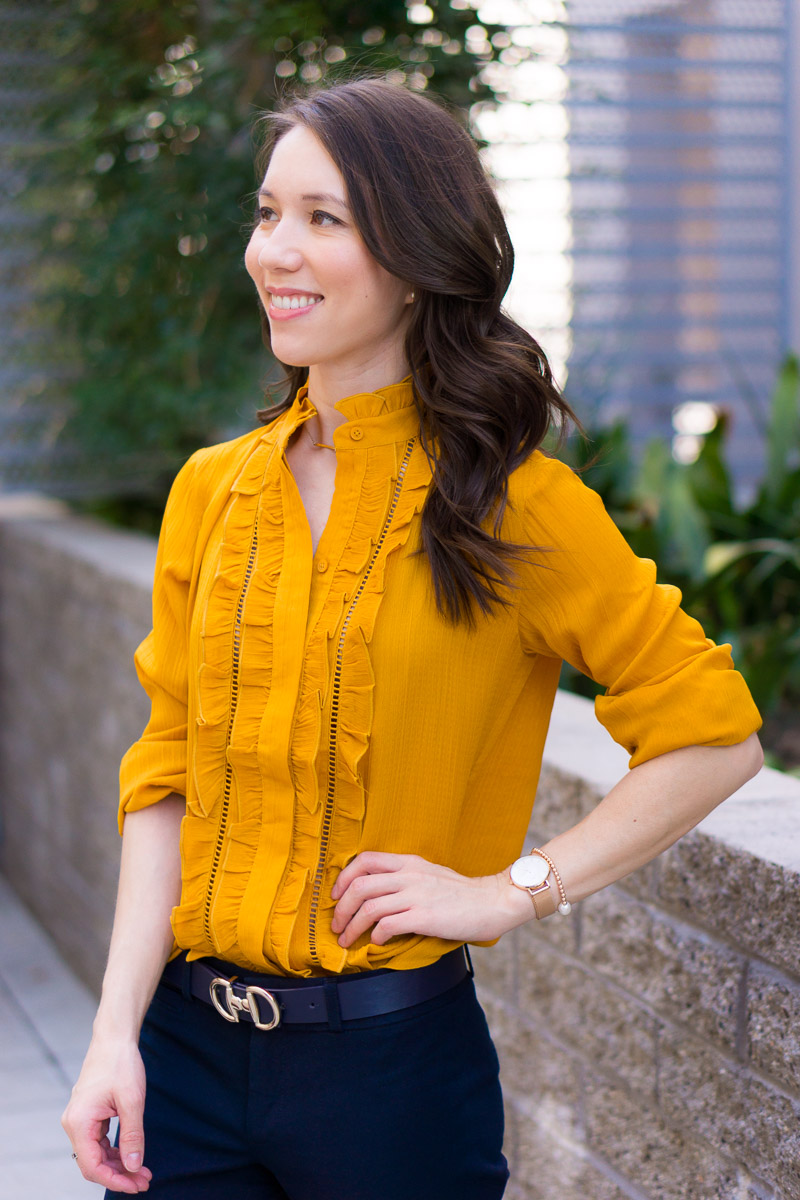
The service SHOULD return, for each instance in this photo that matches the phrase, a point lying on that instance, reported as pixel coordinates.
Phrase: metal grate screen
(644, 150)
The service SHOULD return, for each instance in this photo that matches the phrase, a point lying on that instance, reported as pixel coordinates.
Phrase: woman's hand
(111, 1084)
(403, 893)
(112, 1079)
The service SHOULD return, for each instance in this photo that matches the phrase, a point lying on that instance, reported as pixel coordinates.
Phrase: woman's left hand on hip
(404, 893)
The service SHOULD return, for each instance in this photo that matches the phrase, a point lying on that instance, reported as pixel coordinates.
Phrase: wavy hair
(427, 212)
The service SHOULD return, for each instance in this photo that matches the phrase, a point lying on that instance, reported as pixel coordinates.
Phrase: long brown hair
(428, 214)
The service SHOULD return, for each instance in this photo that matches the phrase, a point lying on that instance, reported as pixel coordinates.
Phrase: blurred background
(644, 153)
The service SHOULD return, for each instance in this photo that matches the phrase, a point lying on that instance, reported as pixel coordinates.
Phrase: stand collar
(389, 414)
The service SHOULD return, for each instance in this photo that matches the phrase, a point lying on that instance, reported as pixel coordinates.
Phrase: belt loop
(186, 978)
(331, 987)
(470, 967)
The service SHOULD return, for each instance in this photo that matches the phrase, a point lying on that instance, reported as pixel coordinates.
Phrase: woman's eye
(318, 217)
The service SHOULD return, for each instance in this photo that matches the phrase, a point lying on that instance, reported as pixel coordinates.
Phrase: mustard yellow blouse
(313, 706)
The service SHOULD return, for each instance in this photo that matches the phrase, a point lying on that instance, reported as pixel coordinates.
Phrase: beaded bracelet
(564, 906)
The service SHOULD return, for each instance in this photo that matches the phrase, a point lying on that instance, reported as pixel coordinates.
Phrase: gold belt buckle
(234, 1004)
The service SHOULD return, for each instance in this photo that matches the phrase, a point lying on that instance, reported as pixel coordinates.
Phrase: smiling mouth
(289, 302)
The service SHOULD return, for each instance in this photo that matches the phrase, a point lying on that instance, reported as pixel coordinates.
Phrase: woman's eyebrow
(320, 197)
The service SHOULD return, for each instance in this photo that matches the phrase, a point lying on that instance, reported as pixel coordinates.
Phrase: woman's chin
(287, 356)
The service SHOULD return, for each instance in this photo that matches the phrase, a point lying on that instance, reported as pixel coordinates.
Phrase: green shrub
(145, 189)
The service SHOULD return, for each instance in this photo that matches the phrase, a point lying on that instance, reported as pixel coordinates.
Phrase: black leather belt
(267, 1001)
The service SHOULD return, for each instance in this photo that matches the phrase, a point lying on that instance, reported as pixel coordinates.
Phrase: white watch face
(530, 871)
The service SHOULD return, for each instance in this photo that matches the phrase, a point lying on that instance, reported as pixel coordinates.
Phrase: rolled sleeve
(155, 765)
(597, 605)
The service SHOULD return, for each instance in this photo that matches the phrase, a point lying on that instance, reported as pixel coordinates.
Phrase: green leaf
(708, 476)
(663, 488)
(783, 440)
(683, 523)
(722, 554)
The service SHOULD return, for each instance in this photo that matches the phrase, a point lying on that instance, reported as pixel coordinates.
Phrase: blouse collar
(389, 414)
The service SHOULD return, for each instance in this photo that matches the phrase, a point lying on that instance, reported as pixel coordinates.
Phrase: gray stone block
(51, 1174)
(663, 1162)
(555, 930)
(551, 986)
(738, 1114)
(496, 967)
(608, 1029)
(563, 798)
(641, 883)
(681, 972)
(773, 1024)
(554, 1085)
(510, 1134)
(747, 901)
(552, 1163)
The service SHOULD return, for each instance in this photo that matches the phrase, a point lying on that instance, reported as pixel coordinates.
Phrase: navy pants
(405, 1106)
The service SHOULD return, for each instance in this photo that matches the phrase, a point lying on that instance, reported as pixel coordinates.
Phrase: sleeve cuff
(699, 705)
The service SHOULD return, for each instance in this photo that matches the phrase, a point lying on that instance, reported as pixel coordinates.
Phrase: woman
(360, 613)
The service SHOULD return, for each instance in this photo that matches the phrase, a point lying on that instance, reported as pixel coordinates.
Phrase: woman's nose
(280, 249)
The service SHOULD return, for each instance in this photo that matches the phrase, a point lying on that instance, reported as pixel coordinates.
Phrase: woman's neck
(326, 388)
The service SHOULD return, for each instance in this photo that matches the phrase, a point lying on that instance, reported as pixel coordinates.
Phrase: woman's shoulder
(551, 503)
(544, 479)
(218, 465)
(209, 460)
(541, 466)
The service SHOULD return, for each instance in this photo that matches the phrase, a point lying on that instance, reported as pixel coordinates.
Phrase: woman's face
(347, 312)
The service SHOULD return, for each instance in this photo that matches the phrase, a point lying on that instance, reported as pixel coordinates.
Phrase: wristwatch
(530, 874)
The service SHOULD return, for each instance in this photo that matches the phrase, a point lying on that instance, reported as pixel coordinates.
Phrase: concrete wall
(74, 600)
(649, 1044)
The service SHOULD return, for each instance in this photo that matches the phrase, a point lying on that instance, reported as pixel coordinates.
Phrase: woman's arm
(651, 807)
(111, 1082)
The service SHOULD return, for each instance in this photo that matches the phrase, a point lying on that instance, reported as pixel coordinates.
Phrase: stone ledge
(761, 819)
(121, 554)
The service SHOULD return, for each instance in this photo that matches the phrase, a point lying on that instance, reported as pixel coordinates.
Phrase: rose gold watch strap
(544, 900)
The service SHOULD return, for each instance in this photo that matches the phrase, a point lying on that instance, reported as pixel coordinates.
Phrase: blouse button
(356, 434)
(322, 565)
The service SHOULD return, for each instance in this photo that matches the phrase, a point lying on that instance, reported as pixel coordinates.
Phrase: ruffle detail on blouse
(287, 908)
(370, 514)
(307, 733)
(233, 682)
(198, 838)
(351, 679)
(357, 676)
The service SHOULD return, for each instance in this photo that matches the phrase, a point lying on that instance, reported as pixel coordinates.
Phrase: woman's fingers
(113, 1176)
(130, 1105)
(99, 1163)
(403, 893)
(376, 885)
(363, 887)
(370, 912)
(111, 1084)
(370, 862)
(89, 1143)
(393, 925)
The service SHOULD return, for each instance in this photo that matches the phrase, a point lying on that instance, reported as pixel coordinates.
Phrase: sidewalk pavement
(45, 1023)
